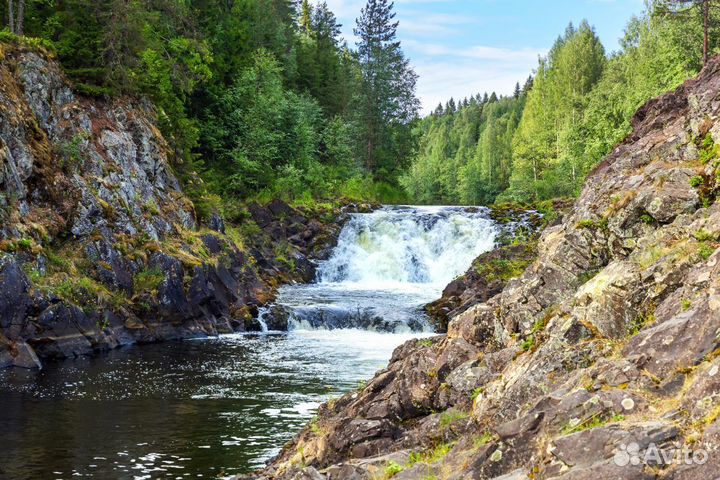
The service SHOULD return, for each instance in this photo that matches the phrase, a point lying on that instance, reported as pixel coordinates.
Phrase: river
(221, 406)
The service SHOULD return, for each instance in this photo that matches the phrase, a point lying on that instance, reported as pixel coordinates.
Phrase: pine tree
(683, 9)
(388, 103)
(16, 16)
(528, 85)
(517, 91)
(306, 13)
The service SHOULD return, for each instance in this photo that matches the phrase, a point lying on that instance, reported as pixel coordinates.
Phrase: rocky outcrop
(99, 247)
(520, 227)
(600, 361)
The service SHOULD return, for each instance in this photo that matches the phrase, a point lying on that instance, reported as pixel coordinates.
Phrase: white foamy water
(387, 265)
(213, 407)
(408, 247)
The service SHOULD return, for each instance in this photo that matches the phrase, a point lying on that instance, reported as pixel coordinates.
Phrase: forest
(259, 98)
(541, 142)
(263, 98)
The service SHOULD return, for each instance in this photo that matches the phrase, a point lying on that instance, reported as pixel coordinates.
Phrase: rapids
(204, 408)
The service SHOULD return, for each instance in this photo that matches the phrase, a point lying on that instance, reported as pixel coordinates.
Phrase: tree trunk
(19, 24)
(11, 16)
(706, 28)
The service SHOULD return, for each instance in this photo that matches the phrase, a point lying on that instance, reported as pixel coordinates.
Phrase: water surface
(215, 407)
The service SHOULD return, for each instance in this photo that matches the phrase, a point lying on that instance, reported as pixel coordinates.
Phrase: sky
(463, 47)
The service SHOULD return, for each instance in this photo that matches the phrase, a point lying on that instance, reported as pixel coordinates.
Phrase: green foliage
(387, 105)
(697, 181)
(528, 343)
(476, 393)
(448, 417)
(706, 251)
(148, 280)
(542, 142)
(393, 469)
(464, 156)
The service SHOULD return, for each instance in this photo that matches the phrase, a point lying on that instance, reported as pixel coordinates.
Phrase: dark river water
(195, 409)
(217, 407)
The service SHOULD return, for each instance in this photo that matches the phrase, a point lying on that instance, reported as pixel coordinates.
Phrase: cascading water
(408, 245)
(386, 266)
(200, 408)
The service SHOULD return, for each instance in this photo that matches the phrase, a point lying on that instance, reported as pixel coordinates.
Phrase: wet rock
(15, 301)
(277, 318)
(24, 356)
(608, 339)
(61, 333)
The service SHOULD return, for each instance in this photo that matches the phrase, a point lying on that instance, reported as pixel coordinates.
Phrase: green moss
(483, 439)
(425, 342)
(393, 469)
(685, 304)
(696, 181)
(451, 416)
(502, 269)
(149, 280)
(709, 151)
(705, 251)
(647, 219)
(434, 455)
(703, 235)
(640, 322)
(589, 423)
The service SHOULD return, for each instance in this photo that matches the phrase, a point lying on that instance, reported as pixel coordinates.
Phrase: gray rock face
(608, 341)
(103, 248)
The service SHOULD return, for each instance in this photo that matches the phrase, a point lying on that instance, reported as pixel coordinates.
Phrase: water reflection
(177, 410)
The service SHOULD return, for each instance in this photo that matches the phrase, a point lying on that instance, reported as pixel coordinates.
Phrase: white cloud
(447, 71)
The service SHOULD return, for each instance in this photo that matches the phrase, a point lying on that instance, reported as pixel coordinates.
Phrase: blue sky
(461, 47)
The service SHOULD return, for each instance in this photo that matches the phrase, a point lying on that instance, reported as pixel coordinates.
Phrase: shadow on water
(162, 411)
(204, 408)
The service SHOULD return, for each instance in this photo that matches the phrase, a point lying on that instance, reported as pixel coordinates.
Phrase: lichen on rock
(604, 347)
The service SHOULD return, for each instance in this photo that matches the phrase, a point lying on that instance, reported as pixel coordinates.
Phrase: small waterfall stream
(220, 406)
(386, 266)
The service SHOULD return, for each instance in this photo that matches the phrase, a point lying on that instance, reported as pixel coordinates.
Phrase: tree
(16, 16)
(388, 104)
(306, 17)
(682, 9)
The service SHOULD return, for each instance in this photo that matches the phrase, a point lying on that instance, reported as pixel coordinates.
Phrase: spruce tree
(306, 13)
(388, 103)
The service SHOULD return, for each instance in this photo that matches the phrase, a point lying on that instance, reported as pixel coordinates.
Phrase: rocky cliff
(99, 247)
(600, 361)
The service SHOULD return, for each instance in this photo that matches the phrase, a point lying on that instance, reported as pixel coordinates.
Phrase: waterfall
(386, 266)
(409, 245)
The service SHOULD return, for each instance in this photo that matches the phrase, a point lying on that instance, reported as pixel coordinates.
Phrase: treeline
(542, 142)
(258, 97)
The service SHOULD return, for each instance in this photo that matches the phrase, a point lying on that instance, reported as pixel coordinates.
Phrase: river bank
(99, 245)
(226, 405)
